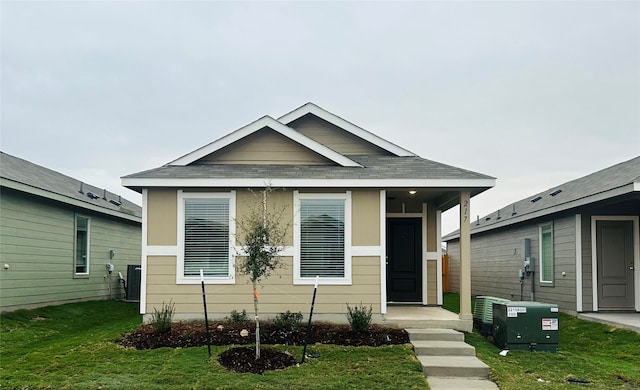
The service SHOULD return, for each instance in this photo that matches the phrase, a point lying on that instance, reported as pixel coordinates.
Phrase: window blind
(322, 248)
(82, 240)
(546, 240)
(206, 237)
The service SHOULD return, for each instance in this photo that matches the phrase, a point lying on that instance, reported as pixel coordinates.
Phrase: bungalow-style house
(580, 239)
(364, 216)
(61, 240)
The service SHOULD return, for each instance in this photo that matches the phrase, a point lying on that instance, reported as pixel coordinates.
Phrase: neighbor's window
(206, 236)
(81, 245)
(323, 238)
(546, 253)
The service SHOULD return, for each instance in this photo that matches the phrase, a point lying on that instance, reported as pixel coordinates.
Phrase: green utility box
(529, 326)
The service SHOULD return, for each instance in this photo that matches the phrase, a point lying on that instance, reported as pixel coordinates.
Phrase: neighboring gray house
(582, 239)
(58, 236)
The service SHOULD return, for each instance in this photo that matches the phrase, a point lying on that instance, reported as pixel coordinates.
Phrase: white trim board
(306, 183)
(579, 275)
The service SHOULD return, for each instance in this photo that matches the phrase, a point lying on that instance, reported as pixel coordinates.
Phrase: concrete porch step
(442, 348)
(435, 334)
(469, 367)
(448, 362)
(441, 383)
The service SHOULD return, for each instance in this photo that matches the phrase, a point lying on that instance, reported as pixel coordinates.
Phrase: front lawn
(606, 357)
(73, 347)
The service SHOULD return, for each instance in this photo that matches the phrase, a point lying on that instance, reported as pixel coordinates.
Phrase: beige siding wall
(265, 147)
(37, 242)
(366, 218)
(162, 206)
(432, 281)
(334, 137)
(279, 203)
(432, 265)
(278, 293)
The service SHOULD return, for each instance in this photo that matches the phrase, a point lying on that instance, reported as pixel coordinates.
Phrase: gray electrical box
(134, 276)
(524, 325)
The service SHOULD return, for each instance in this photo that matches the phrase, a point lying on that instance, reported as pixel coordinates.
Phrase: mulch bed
(242, 359)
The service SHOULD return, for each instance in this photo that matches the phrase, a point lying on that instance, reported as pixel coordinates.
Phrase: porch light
(412, 192)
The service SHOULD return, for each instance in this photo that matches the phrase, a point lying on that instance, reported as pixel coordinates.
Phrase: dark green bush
(237, 318)
(359, 317)
(288, 320)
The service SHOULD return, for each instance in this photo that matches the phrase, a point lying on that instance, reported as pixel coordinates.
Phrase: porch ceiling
(443, 199)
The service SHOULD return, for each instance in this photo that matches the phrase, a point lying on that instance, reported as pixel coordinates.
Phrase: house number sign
(465, 210)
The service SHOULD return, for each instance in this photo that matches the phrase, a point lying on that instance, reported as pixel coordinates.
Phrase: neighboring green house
(58, 237)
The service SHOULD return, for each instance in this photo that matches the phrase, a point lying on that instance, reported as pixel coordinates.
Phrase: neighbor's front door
(614, 240)
(404, 260)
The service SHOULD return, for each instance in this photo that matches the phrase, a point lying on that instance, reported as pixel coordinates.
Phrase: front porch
(415, 316)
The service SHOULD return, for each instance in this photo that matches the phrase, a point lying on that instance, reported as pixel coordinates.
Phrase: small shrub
(288, 320)
(237, 318)
(359, 317)
(161, 319)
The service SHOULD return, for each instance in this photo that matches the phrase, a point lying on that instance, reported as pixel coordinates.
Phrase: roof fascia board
(311, 108)
(619, 191)
(308, 183)
(65, 199)
(265, 121)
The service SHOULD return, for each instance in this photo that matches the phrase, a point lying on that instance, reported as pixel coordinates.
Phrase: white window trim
(230, 279)
(540, 227)
(75, 244)
(297, 279)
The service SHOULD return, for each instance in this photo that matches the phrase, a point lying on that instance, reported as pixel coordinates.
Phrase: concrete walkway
(448, 362)
(629, 321)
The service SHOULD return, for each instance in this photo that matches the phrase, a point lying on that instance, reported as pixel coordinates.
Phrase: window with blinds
(322, 238)
(206, 237)
(546, 253)
(82, 245)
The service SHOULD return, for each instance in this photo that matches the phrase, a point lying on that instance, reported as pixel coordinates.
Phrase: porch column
(465, 258)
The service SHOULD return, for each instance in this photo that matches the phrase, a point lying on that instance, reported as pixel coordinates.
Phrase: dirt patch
(243, 359)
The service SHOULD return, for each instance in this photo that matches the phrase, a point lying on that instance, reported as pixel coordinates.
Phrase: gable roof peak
(265, 121)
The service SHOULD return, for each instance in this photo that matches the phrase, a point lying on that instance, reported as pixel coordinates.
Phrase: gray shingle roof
(613, 181)
(374, 167)
(23, 172)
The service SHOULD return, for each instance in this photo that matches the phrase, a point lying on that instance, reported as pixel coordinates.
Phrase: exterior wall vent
(537, 198)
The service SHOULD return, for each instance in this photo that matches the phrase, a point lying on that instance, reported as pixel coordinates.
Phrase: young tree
(262, 239)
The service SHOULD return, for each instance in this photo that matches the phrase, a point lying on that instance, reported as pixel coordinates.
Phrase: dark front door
(404, 260)
(614, 240)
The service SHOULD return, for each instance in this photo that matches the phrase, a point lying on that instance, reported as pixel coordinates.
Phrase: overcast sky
(532, 93)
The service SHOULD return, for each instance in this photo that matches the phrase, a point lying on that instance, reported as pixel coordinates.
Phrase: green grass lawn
(607, 357)
(72, 347)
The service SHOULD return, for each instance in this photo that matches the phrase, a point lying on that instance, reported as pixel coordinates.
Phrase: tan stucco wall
(162, 214)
